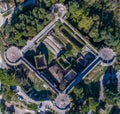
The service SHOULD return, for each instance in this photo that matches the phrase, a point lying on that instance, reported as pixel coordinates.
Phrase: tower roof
(13, 54)
(62, 101)
(107, 54)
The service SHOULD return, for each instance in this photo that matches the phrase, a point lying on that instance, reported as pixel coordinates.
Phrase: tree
(92, 104)
(18, 36)
(85, 24)
(54, 1)
(61, 1)
(32, 32)
(47, 3)
(7, 79)
(35, 12)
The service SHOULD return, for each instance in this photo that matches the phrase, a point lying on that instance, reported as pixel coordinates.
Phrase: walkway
(1, 20)
(19, 110)
(118, 78)
(101, 97)
(82, 75)
(50, 105)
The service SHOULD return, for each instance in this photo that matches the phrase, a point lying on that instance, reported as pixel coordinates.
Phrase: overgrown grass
(95, 74)
(71, 48)
(51, 56)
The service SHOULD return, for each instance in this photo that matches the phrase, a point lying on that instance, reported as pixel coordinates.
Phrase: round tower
(107, 56)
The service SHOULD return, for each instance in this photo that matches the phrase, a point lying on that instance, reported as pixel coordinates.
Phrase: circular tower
(62, 101)
(12, 56)
(107, 56)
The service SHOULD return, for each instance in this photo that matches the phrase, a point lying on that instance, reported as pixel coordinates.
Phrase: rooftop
(57, 72)
(107, 54)
(62, 101)
(13, 54)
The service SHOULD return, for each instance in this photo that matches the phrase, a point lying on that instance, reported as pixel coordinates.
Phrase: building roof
(57, 72)
(107, 54)
(13, 54)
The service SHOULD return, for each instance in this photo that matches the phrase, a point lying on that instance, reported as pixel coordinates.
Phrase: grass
(6, 14)
(70, 34)
(95, 74)
(32, 106)
(74, 49)
(8, 80)
(67, 36)
(38, 85)
(42, 49)
(2, 48)
(51, 56)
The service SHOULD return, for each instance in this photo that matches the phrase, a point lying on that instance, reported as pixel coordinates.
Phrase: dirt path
(101, 97)
(1, 20)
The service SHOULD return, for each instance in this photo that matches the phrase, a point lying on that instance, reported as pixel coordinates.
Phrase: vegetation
(7, 79)
(67, 38)
(32, 106)
(86, 94)
(63, 63)
(36, 88)
(7, 13)
(26, 24)
(95, 74)
(97, 20)
(84, 98)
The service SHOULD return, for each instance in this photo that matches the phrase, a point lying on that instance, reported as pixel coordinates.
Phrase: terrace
(53, 45)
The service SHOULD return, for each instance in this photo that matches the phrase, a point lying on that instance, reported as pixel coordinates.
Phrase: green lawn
(71, 48)
(95, 74)
(73, 43)
(51, 56)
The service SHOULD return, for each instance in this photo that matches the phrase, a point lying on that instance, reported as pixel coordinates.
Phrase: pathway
(1, 20)
(18, 110)
(118, 78)
(50, 105)
(45, 104)
(101, 97)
